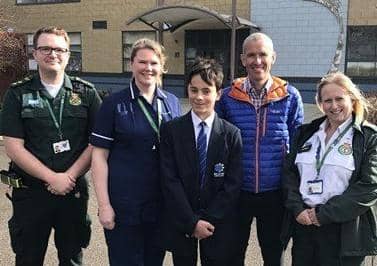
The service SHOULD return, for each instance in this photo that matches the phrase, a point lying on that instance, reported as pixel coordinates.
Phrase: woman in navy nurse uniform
(125, 162)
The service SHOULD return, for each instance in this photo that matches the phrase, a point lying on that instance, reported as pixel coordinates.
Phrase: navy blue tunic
(133, 163)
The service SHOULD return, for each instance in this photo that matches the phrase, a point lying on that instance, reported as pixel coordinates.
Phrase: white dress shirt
(337, 167)
(208, 127)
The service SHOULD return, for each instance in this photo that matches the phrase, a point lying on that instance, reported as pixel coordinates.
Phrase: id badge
(61, 146)
(315, 187)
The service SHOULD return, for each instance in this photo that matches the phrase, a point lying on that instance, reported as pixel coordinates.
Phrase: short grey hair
(256, 36)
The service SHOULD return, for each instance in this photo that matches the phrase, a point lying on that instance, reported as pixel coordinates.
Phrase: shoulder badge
(75, 99)
(345, 149)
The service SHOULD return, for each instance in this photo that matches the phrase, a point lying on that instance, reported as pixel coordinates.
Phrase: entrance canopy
(175, 17)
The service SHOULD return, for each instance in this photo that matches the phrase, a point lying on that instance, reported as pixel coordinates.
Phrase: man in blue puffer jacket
(268, 111)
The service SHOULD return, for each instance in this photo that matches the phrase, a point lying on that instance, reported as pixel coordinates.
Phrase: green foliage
(13, 56)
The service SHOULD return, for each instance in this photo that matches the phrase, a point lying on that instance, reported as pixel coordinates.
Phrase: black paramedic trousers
(35, 212)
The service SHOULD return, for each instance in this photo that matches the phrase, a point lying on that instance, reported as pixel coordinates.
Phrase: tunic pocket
(34, 113)
(75, 111)
(342, 161)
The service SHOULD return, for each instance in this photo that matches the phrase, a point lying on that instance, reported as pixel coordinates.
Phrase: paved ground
(96, 253)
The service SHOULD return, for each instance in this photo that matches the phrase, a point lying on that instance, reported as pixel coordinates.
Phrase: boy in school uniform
(201, 174)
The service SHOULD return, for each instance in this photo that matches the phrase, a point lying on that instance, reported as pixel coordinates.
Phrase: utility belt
(14, 179)
(20, 181)
(10, 178)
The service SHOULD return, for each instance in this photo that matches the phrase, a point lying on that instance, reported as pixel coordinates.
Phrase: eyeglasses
(46, 50)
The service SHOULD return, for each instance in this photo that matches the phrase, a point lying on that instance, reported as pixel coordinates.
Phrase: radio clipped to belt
(10, 178)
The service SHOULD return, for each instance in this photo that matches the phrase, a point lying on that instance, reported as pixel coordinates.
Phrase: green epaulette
(77, 79)
(21, 82)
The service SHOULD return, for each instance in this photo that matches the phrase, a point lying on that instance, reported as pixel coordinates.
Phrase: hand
(203, 229)
(61, 184)
(53, 191)
(304, 218)
(313, 217)
(106, 217)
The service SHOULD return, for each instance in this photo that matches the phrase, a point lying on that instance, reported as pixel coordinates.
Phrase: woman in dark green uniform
(331, 181)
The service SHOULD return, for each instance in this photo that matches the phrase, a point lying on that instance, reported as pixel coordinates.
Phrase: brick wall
(102, 49)
(362, 12)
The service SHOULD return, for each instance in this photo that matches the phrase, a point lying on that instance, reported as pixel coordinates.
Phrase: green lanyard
(319, 163)
(149, 118)
(57, 124)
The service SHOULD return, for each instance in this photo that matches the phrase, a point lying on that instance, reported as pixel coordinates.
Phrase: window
(129, 37)
(214, 44)
(361, 59)
(99, 24)
(26, 2)
(75, 61)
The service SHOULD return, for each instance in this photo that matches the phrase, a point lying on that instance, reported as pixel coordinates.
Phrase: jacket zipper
(257, 136)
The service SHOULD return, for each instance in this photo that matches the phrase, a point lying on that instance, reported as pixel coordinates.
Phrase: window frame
(30, 47)
(353, 65)
(124, 58)
(35, 2)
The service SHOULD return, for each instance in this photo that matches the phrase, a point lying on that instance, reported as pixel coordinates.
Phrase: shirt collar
(135, 92)
(160, 93)
(345, 124)
(247, 85)
(196, 120)
(340, 128)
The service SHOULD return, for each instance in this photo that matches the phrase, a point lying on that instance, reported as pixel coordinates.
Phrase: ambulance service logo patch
(75, 99)
(345, 149)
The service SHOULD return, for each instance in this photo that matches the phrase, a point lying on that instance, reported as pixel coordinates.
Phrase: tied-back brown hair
(360, 104)
(209, 71)
(154, 46)
(50, 30)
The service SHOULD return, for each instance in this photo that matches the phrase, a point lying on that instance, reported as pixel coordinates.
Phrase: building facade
(310, 37)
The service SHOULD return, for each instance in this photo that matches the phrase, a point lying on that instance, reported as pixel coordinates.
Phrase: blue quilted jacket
(265, 133)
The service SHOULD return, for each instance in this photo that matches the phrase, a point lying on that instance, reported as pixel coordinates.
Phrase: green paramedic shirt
(25, 115)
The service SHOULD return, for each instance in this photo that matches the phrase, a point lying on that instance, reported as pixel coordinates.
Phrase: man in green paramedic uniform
(46, 121)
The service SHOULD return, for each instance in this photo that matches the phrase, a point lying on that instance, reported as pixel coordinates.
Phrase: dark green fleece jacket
(356, 209)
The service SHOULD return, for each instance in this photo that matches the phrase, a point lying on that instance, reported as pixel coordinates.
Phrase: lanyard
(319, 163)
(57, 124)
(149, 118)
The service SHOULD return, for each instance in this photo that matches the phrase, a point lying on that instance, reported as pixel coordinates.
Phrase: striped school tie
(202, 152)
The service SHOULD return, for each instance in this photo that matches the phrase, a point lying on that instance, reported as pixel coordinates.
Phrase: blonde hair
(157, 48)
(360, 104)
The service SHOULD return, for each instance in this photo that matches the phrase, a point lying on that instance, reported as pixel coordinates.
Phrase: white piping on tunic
(102, 137)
